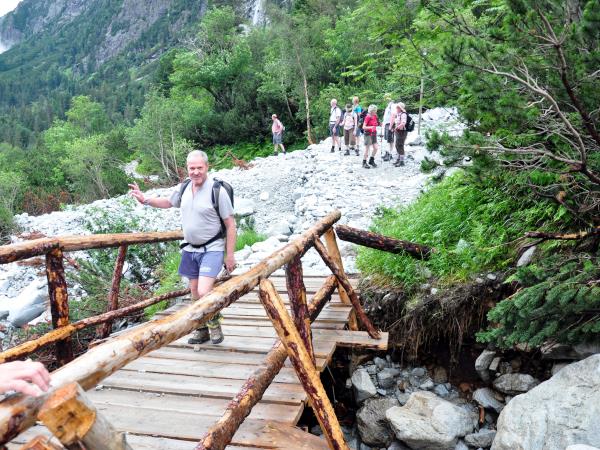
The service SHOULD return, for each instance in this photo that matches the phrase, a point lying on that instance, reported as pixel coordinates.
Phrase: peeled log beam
(36, 247)
(59, 302)
(27, 348)
(16, 414)
(334, 252)
(297, 295)
(221, 433)
(341, 276)
(380, 242)
(305, 369)
(76, 422)
(41, 443)
(113, 296)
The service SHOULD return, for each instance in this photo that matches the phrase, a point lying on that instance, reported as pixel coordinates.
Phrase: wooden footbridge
(148, 389)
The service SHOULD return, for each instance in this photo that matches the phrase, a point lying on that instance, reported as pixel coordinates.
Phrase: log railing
(19, 412)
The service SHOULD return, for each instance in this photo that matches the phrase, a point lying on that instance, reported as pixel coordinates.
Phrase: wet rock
(418, 372)
(441, 391)
(570, 413)
(486, 398)
(385, 378)
(363, 385)
(483, 438)
(373, 427)
(440, 375)
(515, 383)
(482, 364)
(428, 422)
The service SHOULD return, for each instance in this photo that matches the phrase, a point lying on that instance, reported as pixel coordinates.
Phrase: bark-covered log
(341, 276)
(221, 433)
(76, 422)
(59, 302)
(380, 242)
(113, 296)
(297, 295)
(334, 252)
(37, 247)
(105, 359)
(305, 369)
(27, 348)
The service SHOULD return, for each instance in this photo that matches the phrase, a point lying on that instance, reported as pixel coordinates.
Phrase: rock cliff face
(119, 23)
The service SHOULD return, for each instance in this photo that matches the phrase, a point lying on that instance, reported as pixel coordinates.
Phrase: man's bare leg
(199, 287)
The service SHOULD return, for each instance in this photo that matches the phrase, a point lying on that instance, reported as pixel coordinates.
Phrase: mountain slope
(102, 48)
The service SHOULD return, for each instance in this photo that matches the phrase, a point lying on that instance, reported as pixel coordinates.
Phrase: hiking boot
(399, 163)
(332, 149)
(372, 162)
(216, 335)
(356, 151)
(200, 336)
(347, 152)
(365, 165)
(387, 156)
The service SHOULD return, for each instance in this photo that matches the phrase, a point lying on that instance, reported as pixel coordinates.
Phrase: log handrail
(18, 412)
(37, 247)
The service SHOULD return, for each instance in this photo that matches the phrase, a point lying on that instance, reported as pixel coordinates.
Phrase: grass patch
(471, 222)
(248, 237)
(170, 280)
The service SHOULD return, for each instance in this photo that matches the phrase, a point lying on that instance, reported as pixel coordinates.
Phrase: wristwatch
(146, 202)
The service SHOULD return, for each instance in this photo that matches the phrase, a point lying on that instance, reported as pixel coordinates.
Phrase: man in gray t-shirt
(206, 252)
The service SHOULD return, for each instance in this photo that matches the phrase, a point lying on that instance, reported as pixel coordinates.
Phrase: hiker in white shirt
(335, 117)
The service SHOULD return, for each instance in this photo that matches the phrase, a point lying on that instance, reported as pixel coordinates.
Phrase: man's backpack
(410, 123)
(361, 118)
(214, 197)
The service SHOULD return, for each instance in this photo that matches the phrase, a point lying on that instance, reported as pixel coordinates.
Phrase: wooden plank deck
(169, 398)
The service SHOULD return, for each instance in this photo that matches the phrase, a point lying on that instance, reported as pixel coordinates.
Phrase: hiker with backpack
(370, 129)
(401, 123)
(360, 117)
(277, 130)
(349, 123)
(335, 118)
(388, 134)
(209, 232)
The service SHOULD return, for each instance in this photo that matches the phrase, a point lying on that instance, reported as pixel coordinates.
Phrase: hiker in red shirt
(370, 129)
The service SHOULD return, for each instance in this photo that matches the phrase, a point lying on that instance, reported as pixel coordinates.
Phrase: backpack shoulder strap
(184, 185)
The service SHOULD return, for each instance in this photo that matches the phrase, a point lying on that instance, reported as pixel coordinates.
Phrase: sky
(7, 6)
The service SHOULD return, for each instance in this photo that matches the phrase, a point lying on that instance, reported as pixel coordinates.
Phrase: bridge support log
(221, 433)
(380, 242)
(305, 369)
(297, 295)
(59, 302)
(113, 296)
(341, 277)
(17, 413)
(334, 252)
(74, 420)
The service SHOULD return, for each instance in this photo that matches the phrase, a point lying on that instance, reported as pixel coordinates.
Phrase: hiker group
(354, 122)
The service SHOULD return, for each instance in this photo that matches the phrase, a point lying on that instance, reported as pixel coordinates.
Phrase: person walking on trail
(207, 246)
(350, 122)
(335, 117)
(277, 130)
(370, 129)
(357, 110)
(388, 134)
(398, 125)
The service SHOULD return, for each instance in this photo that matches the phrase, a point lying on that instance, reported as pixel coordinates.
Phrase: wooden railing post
(74, 420)
(341, 276)
(59, 302)
(297, 295)
(334, 251)
(221, 433)
(305, 369)
(113, 297)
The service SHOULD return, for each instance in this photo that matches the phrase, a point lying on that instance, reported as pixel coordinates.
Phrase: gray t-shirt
(199, 219)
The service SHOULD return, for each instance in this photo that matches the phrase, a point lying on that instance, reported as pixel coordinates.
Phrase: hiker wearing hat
(398, 125)
(388, 134)
(349, 123)
(277, 129)
(335, 117)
